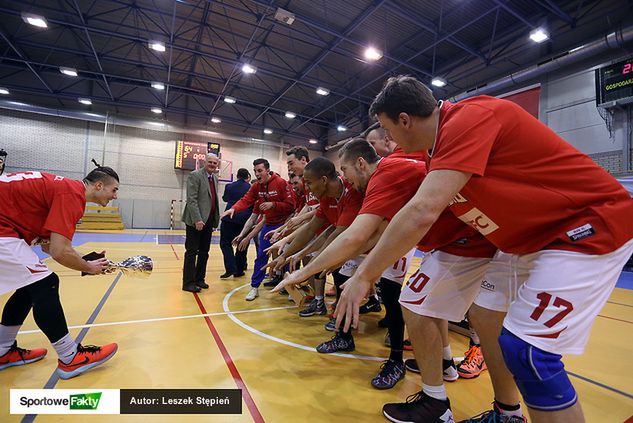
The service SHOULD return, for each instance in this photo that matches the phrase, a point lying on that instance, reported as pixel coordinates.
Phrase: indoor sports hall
(154, 89)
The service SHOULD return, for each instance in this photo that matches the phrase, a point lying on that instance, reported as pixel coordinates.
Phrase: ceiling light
(229, 100)
(85, 101)
(313, 141)
(158, 85)
(4, 91)
(156, 110)
(35, 20)
(246, 68)
(438, 82)
(156, 123)
(322, 91)
(539, 35)
(268, 131)
(216, 120)
(68, 71)
(290, 115)
(157, 45)
(372, 53)
(341, 128)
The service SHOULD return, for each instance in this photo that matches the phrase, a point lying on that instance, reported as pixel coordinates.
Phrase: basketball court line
(52, 381)
(237, 378)
(163, 319)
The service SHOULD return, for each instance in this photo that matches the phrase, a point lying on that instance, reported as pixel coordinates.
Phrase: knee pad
(44, 287)
(539, 375)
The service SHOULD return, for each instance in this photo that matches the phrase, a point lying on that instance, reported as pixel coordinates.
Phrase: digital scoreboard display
(614, 83)
(190, 155)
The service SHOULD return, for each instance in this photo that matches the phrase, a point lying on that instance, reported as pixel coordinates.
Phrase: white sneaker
(252, 294)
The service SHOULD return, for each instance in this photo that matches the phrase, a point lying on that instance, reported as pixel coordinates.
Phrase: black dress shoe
(190, 287)
(202, 285)
(239, 275)
(226, 275)
(273, 282)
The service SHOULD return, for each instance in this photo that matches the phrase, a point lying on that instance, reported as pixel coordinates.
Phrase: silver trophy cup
(137, 267)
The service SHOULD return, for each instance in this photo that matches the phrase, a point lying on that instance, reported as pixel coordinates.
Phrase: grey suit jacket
(198, 205)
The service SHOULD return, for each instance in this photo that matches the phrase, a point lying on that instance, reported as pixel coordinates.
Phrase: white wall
(143, 158)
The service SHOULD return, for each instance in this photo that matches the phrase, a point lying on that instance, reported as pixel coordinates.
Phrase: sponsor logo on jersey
(487, 285)
(478, 220)
(581, 232)
(458, 199)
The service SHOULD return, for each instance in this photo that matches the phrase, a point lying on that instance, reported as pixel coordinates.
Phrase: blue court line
(602, 385)
(28, 418)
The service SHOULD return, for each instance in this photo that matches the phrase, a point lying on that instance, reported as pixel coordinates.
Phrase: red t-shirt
(310, 199)
(299, 200)
(34, 204)
(530, 189)
(343, 210)
(394, 182)
(398, 153)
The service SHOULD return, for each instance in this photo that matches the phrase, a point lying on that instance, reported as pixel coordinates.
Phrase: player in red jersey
(42, 208)
(560, 215)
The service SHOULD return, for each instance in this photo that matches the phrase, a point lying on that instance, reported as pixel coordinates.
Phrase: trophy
(136, 266)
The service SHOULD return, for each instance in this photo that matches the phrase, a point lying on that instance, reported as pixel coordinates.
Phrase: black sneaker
(336, 344)
(419, 408)
(331, 324)
(372, 305)
(448, 366)
(315, 307)
(273, 282)
(391, 372)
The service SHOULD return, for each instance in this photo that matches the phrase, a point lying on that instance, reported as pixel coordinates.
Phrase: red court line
(248, 399)
(172, 249)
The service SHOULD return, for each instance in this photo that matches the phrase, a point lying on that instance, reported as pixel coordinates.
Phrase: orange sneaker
(473, 363)
(86, 358)
(17, 356)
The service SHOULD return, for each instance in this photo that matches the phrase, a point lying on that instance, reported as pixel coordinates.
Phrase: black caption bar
(181, 401)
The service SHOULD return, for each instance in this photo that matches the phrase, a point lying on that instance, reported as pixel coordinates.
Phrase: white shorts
(501, 282)
(19, 265)
(444, 286)
(398, 271)
(349, 267)
(558, 303)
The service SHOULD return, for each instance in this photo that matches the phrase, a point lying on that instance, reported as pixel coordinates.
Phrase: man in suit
(201, 216)
(234, 262)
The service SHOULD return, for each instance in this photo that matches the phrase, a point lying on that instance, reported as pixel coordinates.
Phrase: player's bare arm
(62, 252)
(407, 227)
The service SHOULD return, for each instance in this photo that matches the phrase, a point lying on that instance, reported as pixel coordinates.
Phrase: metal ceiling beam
(271, 73)
(383, 75)
(205, 95)
(336, 34)
(92, 47)
(550, 6)
(514, 13)
(349, 30)
(23, 57)
(145, 82)
(421, 22)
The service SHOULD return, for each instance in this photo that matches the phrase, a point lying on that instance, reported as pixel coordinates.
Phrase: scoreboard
(614, 84)
(191, 155)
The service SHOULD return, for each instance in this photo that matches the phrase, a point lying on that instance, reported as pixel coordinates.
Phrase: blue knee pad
(539, 375)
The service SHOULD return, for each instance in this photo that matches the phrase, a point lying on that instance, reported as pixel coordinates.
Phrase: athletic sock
(447, 354)
(7, 337)
(437, 392)
(66, 348)
(509, 410)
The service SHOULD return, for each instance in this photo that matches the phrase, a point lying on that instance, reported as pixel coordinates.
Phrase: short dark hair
(243, 173)
(321, 166)
(261, 161)
(403, 94)
(372, 127)
(102, 173)
(358, 147)
(299, 152)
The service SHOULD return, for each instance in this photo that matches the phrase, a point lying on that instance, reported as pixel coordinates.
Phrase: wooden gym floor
(171, 339)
